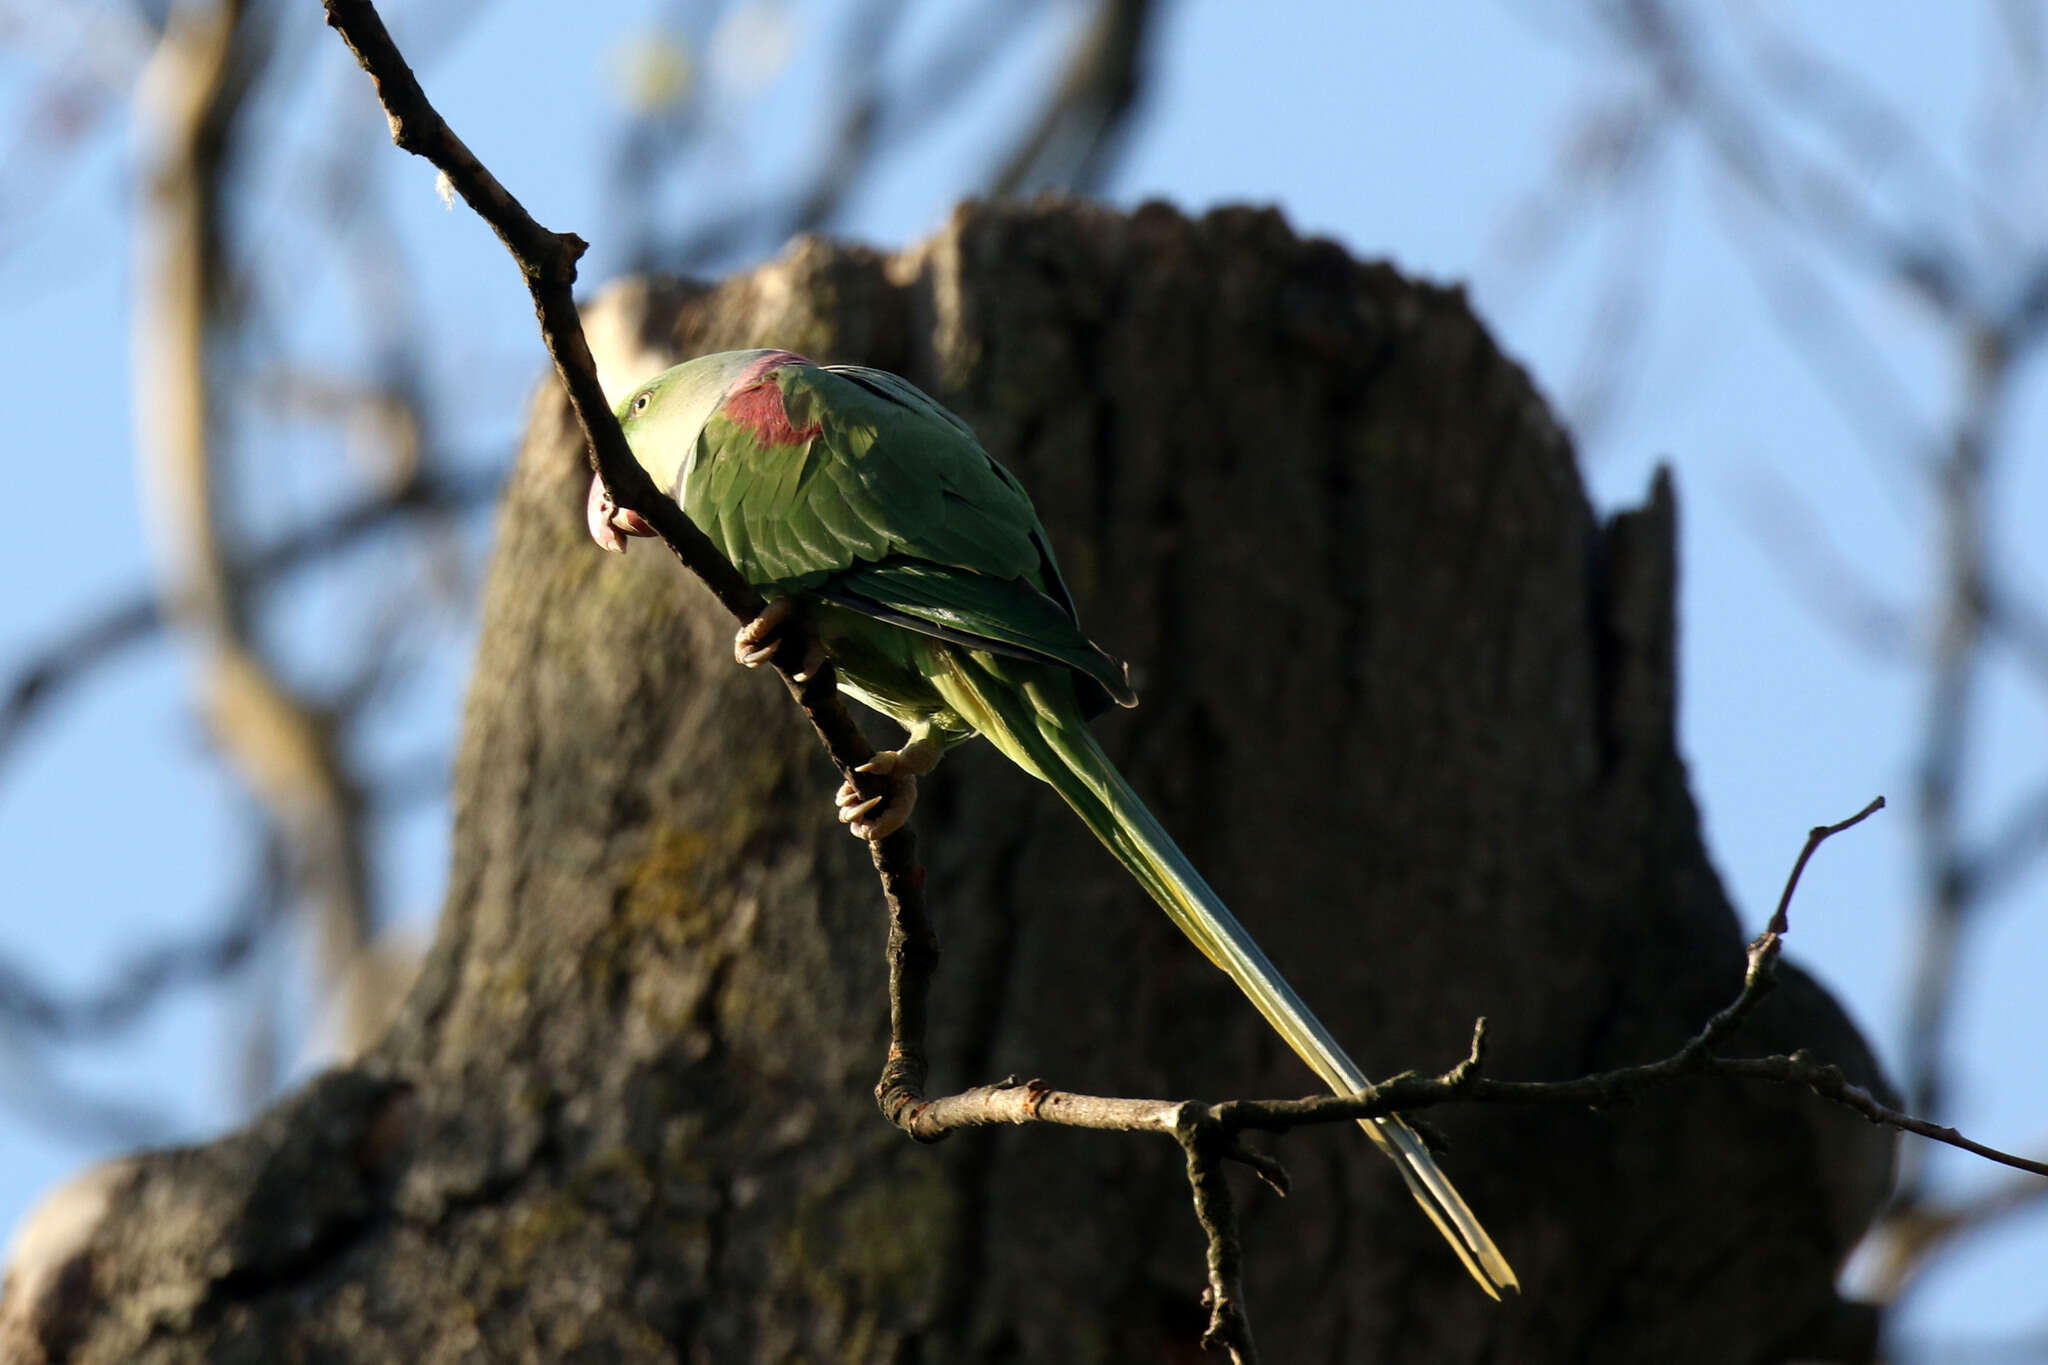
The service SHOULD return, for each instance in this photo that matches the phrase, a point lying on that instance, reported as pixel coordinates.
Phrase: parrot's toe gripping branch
(878, 817)
(610, 523)
(756, 641)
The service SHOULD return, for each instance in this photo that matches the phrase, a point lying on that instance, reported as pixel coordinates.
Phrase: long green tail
(1042, 732)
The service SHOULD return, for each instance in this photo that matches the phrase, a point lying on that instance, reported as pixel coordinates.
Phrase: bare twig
(913, 958)
(1036, 1102)
(1780, 924)
(1763, 951)
(1829, 1083)
(1229, 1325)
(1209, 1132)
(547, 260)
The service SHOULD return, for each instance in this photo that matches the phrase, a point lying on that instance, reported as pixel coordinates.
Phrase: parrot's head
(662, 419)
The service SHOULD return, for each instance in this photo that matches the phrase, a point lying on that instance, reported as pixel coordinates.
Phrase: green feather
(1004, 616)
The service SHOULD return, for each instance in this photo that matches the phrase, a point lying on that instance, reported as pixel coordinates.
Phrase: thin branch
(1763, 951)
(1032, 1102)
(1829, 1083)
(913, 958)
(1780, 923)
(1210, 1132)
(547, 260)
(1229, 1325)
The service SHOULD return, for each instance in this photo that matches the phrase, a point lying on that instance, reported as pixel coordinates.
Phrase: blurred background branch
(280, 743)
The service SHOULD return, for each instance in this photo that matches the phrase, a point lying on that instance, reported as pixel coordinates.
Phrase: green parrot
(917, 561)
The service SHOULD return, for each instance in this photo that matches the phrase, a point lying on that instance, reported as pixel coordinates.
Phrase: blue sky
(1414, 133)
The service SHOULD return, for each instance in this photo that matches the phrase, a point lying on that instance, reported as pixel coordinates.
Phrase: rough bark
(1407, 703)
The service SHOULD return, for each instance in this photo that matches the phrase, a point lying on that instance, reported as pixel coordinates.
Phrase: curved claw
(755, 642)
(610, 523)
(813, 660)
(877, 817)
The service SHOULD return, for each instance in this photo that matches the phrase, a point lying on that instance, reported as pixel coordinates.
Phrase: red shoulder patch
(756, 405)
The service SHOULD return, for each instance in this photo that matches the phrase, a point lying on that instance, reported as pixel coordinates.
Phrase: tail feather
(1043, 733)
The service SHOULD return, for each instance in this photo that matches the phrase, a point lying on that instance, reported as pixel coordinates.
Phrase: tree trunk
(1408, 705)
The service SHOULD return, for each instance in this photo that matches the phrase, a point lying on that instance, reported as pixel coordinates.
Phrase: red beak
(610, 523)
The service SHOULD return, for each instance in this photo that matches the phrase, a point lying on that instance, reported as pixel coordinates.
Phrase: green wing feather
(882, 501)
(883, 476)
(1002, 616)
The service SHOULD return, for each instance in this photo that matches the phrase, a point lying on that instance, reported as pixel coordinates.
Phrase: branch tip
(1780, 922)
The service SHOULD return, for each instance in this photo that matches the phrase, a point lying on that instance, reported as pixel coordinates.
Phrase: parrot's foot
(756, 641)
(878, 817)
(610, 523)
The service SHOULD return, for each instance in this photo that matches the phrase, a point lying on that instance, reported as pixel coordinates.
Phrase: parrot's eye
(640, 401)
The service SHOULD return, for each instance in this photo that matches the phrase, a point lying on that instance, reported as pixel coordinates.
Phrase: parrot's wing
(902, 392)
(849, 484)
(1002, 616)
(802, 473)
(899, 390)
